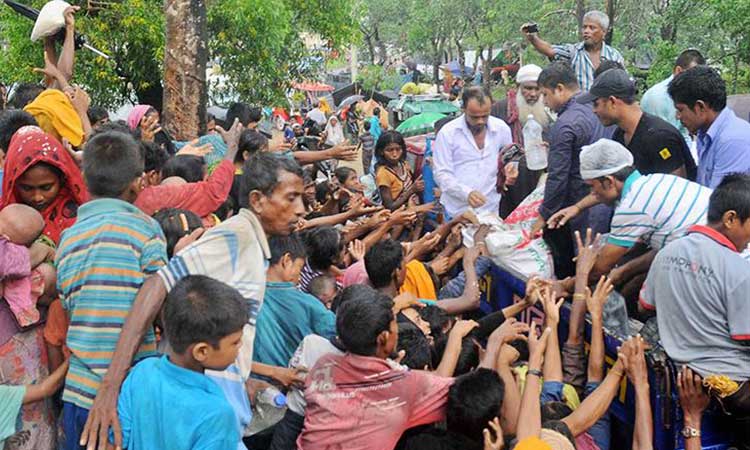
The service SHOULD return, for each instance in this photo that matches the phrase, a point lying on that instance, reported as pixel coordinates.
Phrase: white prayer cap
(603, 157)
(529, 72)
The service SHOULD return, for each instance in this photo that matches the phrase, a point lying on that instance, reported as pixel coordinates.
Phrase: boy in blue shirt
(287, 314)
(168, 402)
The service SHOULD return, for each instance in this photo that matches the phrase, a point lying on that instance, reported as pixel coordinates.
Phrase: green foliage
(377, 78)
(256, 46)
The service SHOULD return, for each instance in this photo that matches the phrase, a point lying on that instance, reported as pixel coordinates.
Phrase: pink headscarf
(136, 114)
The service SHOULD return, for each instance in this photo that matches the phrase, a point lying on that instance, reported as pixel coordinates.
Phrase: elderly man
(584, 56)
(466, 156)
(514, 109)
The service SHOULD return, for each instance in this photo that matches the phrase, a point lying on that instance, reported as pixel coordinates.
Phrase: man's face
(592, 32)
(605, 110)
(280, 212)
(691, 118)
(220, 358)
(310, 193)
(554, 98)
(604, 190)
(530, 92)
(477, 115)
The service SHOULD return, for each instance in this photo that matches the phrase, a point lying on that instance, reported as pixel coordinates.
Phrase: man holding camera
(584, 56)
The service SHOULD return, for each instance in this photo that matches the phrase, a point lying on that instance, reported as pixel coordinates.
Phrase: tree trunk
(185, 92)
(610, 10)
(486, 70)
(580, 12)
(370, 47)
(383, 52)
(461, 56)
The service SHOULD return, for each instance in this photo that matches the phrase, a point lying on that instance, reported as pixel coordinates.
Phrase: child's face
(352, 183)
(38, 187)
(220, 358)
(392, 153)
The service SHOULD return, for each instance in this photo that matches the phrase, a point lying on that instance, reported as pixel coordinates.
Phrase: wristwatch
(690, 432)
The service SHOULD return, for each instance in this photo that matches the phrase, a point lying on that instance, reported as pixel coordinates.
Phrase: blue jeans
(552, 391)
(73, 419)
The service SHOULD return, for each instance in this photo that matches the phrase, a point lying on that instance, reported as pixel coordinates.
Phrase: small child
(368, 147)
(168, 402)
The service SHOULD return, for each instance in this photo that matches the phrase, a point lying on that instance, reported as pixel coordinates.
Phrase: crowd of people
(295, 291)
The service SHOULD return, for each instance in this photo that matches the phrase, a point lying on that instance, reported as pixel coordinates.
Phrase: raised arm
(530, 415)
(595, 304)
(637, 370)
(542, 46)
(453, 348)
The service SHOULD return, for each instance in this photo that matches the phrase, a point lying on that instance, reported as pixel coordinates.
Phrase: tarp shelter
(455, 69)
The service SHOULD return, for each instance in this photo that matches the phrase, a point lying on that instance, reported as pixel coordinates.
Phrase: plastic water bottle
(269, 408)
(536, 154)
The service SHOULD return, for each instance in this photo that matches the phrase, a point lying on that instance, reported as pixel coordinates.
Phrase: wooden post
(185, 56)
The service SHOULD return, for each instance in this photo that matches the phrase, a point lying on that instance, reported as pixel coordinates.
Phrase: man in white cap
(652, 210)
(514, 109)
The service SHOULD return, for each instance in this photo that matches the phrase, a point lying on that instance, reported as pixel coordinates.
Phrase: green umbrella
(420, 124)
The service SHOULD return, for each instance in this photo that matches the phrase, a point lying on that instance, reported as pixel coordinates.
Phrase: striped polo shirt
(656, 209)
(577, 56)
(101, 263)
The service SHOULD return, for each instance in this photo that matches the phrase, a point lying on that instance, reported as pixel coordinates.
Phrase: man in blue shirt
(700, 97)
(657, 102)
(287, 314)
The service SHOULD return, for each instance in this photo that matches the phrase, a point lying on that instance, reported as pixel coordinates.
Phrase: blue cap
(279, 400)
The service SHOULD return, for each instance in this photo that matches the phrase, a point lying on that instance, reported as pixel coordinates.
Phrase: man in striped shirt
(101, 263)
(649, 209)
(584, 56)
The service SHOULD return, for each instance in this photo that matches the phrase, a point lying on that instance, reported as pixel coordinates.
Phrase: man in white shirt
(316, 114)
(465, 156)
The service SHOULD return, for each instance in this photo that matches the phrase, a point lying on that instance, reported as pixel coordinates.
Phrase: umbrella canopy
(350, 100)
(455, 68)
(22, 9)
(313, 87)
(420, 124)
(430, 106)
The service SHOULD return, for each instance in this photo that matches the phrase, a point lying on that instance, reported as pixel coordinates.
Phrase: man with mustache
(584, 56)
(465, 156)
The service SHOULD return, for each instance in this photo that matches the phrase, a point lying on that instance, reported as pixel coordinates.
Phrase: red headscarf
(30, 146)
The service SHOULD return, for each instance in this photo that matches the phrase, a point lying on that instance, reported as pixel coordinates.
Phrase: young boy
(168, 402)
(288, 314)
(102, 260)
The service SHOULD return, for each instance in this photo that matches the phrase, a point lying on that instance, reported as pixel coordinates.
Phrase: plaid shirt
(577, 56)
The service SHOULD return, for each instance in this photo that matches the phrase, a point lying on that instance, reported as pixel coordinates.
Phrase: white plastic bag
(51, 19)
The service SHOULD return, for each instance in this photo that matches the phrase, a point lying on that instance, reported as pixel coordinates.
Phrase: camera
(531, 28)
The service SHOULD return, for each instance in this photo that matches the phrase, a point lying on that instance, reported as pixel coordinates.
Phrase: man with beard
(466, 154)
(584, 56)
(515, 109)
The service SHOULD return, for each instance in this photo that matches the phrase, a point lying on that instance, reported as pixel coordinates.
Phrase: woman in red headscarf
(39, 172)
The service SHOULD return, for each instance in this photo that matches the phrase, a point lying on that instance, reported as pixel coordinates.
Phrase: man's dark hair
(24, 94)
(111, 161)
(367, 125)
(120, 126)
(282, 245)
(559, 72)
(475, 93)
(381, 260)
(154, 156)
(624, 173)
(251, 142)
(11, 120)
(468, 357)
(560, 427)
(555, 411)
(245, 113)
(188, 167)
(688, 58)
(376, 112)
(360, 322)
(348, 294)
(606, 65)
(201, 309)
(262, 173)
(732, 194)
(699, 83)
(176, 223)
(415, 344)
(96, 113)
(323, 244)
(474, 399)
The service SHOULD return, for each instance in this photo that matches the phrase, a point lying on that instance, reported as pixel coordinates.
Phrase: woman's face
(392, 153)
(352, 183)
(152, 114)
(38, 187)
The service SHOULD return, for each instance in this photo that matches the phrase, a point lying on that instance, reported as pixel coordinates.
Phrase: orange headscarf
(29, 147)
(418, 281)
(55, 115)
